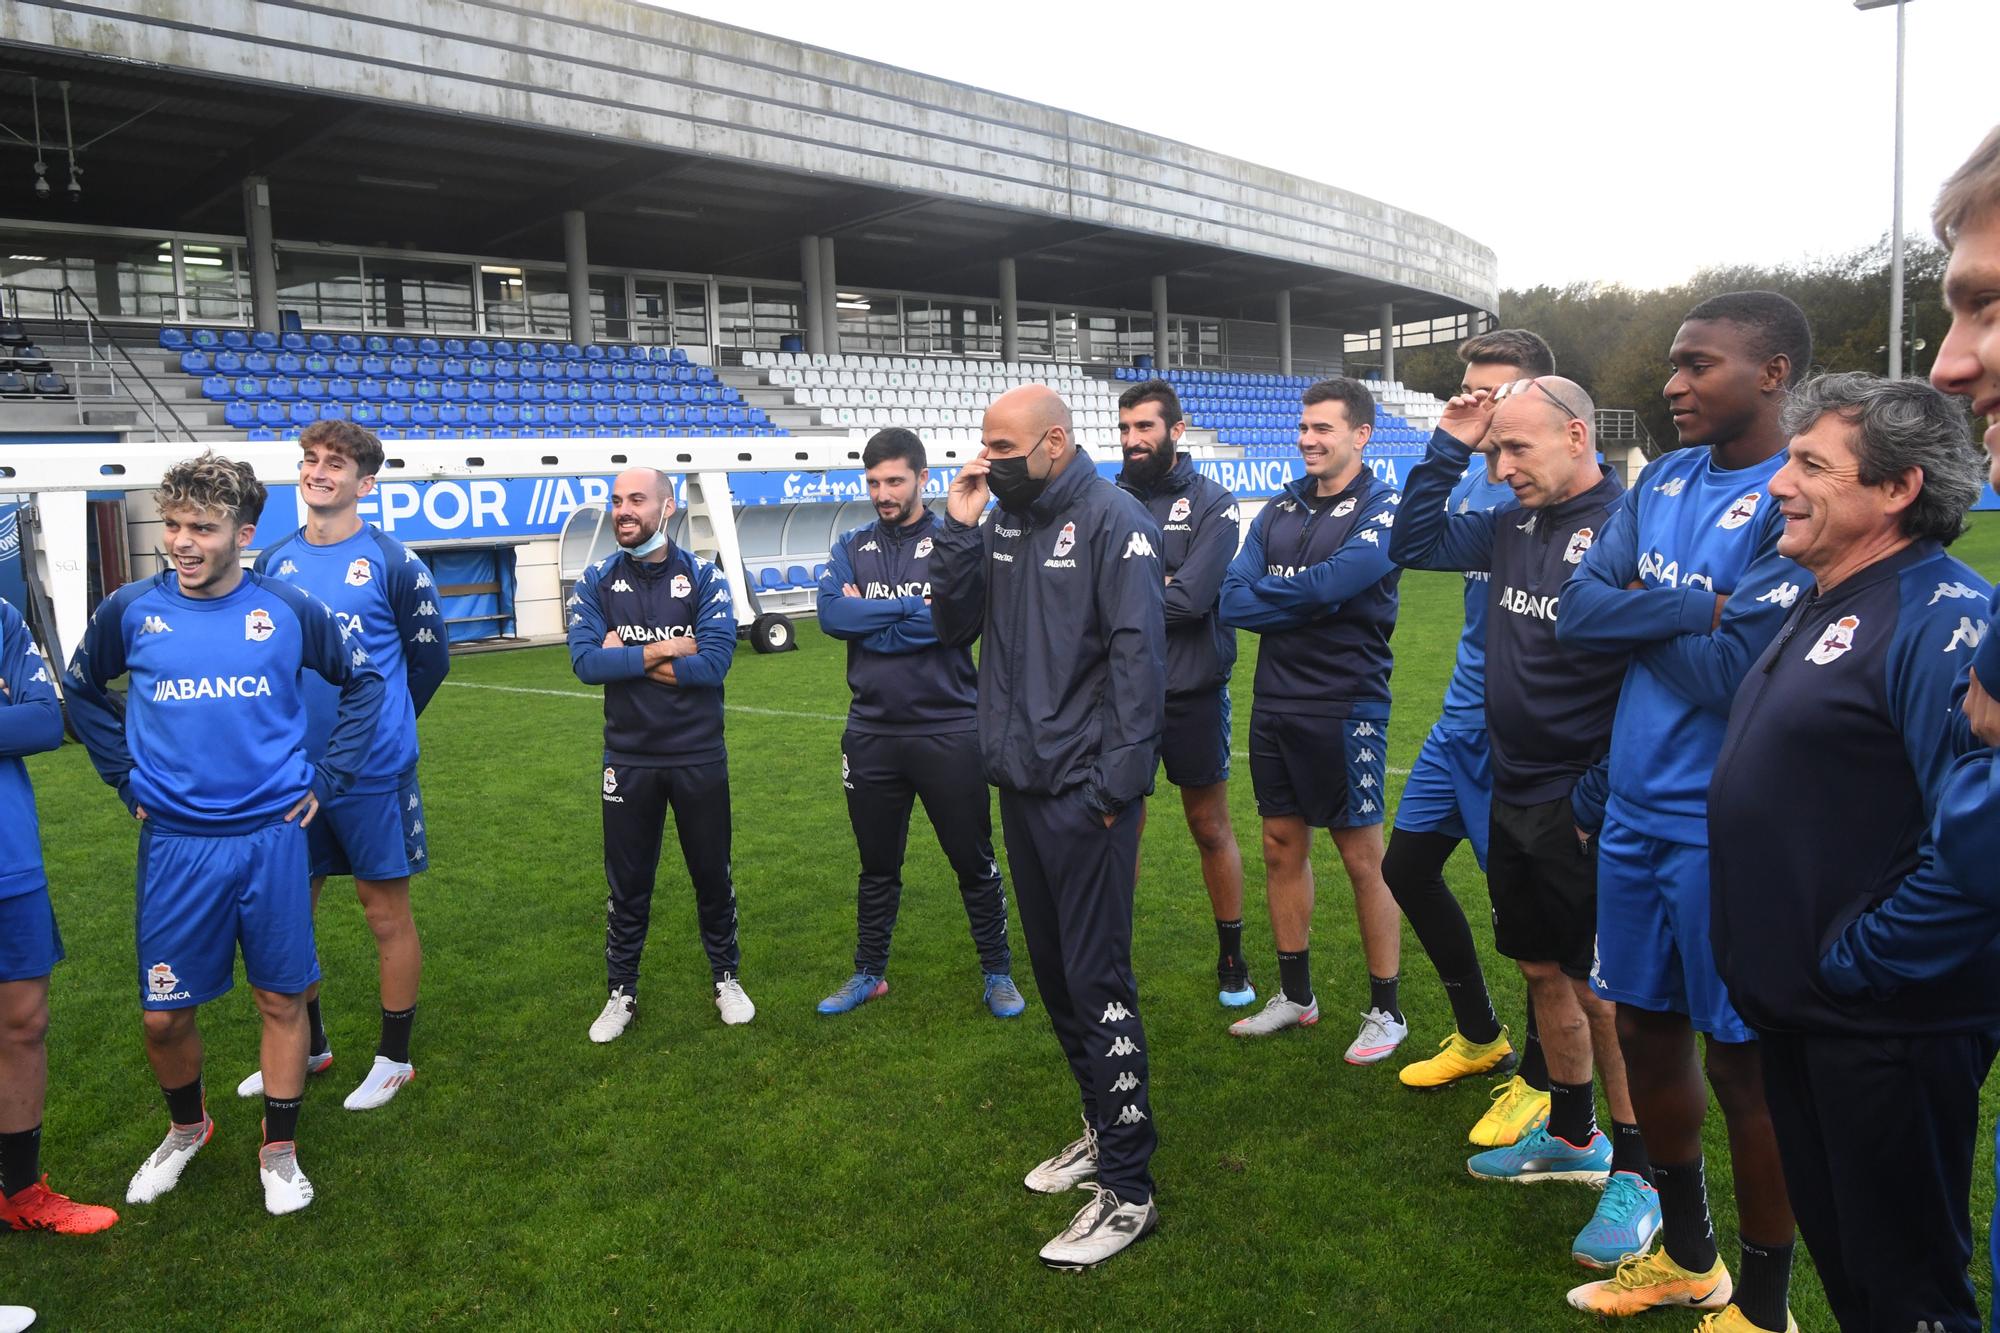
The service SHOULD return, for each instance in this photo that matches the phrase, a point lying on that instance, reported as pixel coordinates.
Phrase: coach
(1848, 715)
(1064, 582)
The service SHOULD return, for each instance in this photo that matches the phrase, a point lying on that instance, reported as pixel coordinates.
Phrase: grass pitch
(802, 1171)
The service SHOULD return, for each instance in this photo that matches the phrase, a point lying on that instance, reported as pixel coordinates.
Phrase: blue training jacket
(1830, 910)
(1465, 694)
(1199, 532)
(904, 681)
(30, 722)
(383, 597)
(1315, 579)
(212, 737)
(648, 723)
(1689, 531)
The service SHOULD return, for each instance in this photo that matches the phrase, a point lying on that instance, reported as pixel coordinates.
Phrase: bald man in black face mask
(1064, 582)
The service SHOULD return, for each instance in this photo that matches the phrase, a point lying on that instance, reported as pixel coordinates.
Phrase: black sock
(1471, 1007)
(1295, 975)
(395, 1041)
(20, 1160)
(1534, 1069)
(1628, 1151)
(281, 1118)
(186, 1105)
(1764, 1283)
(1572, 1113)
(1382, 995)
(1685, 1228)
(317, 1045)
(1229, 940)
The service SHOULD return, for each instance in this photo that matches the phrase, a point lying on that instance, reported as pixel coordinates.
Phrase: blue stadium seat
(236, 340)
(206, 339)
(429, 367)
(478, 347)
(428, 346)
(506, 414)
(451, 414)
(478, 391)
(196, 362)
(478, 414)
(571, 352)
(282, 387)
(228, 362)
(249, 387)
(506, 391)
(371, 391)
(366, 414)
(304, 412)
(342, 389)
(454, 368)
(350, 343)
(399, 391)
(548, 352)
(452, 391)
(479, 368)
(533, 370)
(331, 411)
(375, 345)
(294, 342)
(768, 580)
(289, 363)
(454, 347)
(503, 349)
(239, 414)
(531, 414)
(395, 414)
(677, 355)
(321, 343)
(257, 363)
(264, 341)
(260, 434)
(424, 415)
(387, 433)
(374, 365)
(174, 340)
(403, 346)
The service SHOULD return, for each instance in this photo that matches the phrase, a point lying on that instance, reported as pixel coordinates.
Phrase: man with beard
(654, 625)
(1198, 525)
(912, 730)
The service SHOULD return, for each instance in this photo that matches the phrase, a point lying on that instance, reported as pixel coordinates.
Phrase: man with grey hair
(1879, 1043)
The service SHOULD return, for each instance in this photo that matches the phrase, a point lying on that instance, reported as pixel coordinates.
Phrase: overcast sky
(1584, 140)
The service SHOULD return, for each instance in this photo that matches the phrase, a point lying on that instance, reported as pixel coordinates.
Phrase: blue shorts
(1327, 771)
(1652, 931)
(200, 896)
(1450, 790)
(1194, 744)
(373, 835)
(30, 944)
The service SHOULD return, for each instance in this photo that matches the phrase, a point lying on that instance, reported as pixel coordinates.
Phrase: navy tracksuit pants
(636, 801)
(884, 777)
(1876, 1135)
(1073, 884)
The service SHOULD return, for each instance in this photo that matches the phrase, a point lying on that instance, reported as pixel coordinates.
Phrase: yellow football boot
(1457, 1058)
(1654, 1280)
(1729, 1319)
(1517, 1108)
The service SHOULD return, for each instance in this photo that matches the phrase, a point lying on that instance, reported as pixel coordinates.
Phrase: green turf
(862, 1170)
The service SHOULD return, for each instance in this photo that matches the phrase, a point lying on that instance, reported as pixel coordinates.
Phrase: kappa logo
(1131, 1115)
(1367, 806)
(1464, 504)
(1672, 486)
(416, 828)
(1369, 535)
(845, 772)
(1579, 542)
(417, 853)
(1969, 633)
(1945, 590)
(1066, 540)
(430, 608)
(155, 625)
(359, 573)
(1115, 1012)
(610, 780)
(1137, 544)
(162, 984)
(1836, 639)
(868, 546)
(1395, 497)
(1122, 1046)
(1385, 519)
(575, 619)
(1125, 1082)
(1364, 756)
(258, 625)
(423, 579)
(424, 635)
(1529, 526)
(287, 568)
(360, 657)
(574, 600)
(415, 801)
(1741, 512)
(1179, 510)
(1366, 729)
(1345, 507)
(41, 676)
(682, 586)
(721, 595)
(1783, 595)
(923, 550)
(621, 585)
(1366, 782)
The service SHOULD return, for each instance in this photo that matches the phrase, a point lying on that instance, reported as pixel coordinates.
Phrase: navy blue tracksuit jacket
(1199, 534)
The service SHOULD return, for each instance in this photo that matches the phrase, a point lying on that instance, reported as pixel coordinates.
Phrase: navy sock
(1295, 975)
(1229, 941)
(317, 1044)
(20, 1160)
(281, 1118)
(1572, 1113)
(1534, 1067)
(395, 1041)
(1685, 1228)
(186, 1105)
(1764, 1283)
(1382, 995)
(1628, 1151)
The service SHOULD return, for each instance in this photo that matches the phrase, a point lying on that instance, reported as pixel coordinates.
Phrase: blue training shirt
(212, 736)
(30, 722)
(1689, 531)
(1465, 695)
(383, 598)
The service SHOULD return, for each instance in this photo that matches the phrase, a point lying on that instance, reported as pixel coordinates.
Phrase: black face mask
(1013, 485)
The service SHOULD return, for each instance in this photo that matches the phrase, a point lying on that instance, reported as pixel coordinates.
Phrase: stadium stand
(1261, 412)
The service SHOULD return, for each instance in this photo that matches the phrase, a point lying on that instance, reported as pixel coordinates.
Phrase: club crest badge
(1579, 542)
(610, 780)
(924, 548)
(1180, 510)
(258, 625)
(1834, 640)
(681, 586)
(1741, 512)
(1344, 508)
(160, 979)
(359, 573)
(1066, 540)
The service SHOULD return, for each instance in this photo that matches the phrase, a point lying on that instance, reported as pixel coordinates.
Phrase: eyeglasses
(1560, 404)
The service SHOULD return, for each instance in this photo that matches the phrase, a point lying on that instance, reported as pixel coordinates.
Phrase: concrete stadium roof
(468, 126)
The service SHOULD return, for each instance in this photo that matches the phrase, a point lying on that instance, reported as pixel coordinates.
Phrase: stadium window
(690, 314)
(1065, 344)
(325, 288)
(503, 300)
(1033, 331)
(652, 310)
(778, 317)
(548, 302)
(870, 322)
(217, 288)
(608, 311)
(121, 277)
(418, 294)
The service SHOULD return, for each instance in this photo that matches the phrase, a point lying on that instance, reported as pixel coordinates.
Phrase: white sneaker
(162, 1171)
(14, 1318)
(286, 1189)
(1277, 1015)
(1068, 1168)
(1378, 1039)
(385, 1078)
(315, 1064)
(619, 1011)
(734, 1004)
(1100, 1229)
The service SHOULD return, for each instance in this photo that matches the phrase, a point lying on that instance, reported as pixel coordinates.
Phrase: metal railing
(1621, 426)
(105, 355)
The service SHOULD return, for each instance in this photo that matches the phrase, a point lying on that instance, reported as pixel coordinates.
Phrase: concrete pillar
(1388, 341)
(576, 268)
(829, 287)
(1285, 332)
(1010, 313)
(1159, 321)
(815, 330)
(263, 256)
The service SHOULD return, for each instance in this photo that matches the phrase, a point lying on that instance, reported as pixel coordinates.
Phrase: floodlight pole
(1896, 233)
